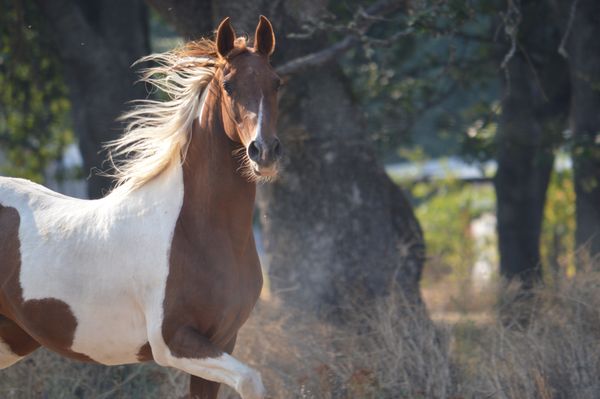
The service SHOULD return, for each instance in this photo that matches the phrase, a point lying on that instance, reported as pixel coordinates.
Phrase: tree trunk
(97, 42)
(522, 178)
(335, 226)
(535, 95)
(584, 64)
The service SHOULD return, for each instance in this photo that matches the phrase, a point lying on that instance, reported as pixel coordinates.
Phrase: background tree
(97, 42)
(582, 29)
(535, 97)
(34, 121)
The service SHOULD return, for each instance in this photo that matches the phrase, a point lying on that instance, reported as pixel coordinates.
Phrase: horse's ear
(225, 38)
(264, 38)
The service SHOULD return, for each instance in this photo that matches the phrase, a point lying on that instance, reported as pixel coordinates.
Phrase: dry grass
(47, 375)
(556, 354)
(389, 350)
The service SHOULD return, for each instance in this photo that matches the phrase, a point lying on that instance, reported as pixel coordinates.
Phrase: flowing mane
(157, 132)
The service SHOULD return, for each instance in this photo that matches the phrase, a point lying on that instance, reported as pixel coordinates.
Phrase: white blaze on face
(259, 118)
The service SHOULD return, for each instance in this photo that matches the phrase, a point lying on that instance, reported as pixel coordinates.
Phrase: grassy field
(549, 349)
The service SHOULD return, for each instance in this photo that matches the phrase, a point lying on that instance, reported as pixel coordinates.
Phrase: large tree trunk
(335, 226)
(535, 95)
(97, 42)
(584, 64)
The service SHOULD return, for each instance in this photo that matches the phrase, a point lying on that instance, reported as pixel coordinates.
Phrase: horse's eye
(228, 87)
(278, 84)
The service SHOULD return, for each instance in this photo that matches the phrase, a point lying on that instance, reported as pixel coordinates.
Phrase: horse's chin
(265, 173)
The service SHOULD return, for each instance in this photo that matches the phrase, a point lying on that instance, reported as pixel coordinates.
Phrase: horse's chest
(216, 294)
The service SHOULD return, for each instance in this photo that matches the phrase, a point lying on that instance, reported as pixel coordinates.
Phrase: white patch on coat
(7, 356)
(108, 259)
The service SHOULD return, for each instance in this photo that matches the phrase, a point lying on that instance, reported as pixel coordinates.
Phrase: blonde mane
(157, 133)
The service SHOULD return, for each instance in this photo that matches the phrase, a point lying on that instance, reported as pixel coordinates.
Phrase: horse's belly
(111, 334)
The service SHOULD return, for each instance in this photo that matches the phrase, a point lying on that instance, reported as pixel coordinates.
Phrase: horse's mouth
(267, 172)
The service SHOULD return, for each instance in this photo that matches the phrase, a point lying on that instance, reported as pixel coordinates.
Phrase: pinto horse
(165, 267)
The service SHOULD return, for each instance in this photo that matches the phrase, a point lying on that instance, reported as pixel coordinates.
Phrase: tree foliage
(425, 77)
(35, 125)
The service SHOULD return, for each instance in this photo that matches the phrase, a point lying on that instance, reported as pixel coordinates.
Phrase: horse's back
(73, 273)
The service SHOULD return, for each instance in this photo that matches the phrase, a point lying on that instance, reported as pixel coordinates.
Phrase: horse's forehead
(251, 64)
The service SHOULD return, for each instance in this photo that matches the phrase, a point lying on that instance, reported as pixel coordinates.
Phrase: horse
(165, 266)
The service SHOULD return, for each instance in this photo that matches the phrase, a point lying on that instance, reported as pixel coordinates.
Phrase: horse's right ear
(225, 38)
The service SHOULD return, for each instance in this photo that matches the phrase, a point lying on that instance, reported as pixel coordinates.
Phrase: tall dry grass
(48, 376)
(555, 353)
(389, 350)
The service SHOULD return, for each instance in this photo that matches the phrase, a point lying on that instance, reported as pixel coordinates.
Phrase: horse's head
(249, 87)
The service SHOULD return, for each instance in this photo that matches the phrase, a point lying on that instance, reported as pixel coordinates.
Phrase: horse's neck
(216, 196)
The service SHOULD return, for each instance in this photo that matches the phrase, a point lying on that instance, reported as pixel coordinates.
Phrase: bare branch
(361, 23)
(389, 40)
(318, 58)
(512, 19)
(562, 48)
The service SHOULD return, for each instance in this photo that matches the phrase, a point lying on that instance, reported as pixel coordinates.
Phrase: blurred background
(436, 229)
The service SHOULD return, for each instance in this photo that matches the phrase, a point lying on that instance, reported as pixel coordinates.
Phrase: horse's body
(163, 268)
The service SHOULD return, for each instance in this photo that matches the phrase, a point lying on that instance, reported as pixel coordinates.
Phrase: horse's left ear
(264, 38)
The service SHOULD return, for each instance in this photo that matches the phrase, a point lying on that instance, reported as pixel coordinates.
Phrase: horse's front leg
(204, 389)
(189, 351)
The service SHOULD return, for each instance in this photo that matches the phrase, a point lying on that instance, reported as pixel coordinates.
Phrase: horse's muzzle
(265, 153)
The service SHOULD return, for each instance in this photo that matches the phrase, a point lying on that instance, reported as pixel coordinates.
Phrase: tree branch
(512, 20)
(562, 48)
(361, 23)
(318, 58)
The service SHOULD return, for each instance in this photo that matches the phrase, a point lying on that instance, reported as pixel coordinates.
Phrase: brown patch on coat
(27, 324)
(144, 354)
(19, 342)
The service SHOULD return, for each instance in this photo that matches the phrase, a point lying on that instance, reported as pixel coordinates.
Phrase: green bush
(446, 208)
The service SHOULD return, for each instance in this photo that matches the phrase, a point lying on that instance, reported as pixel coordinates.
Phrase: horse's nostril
(277, 149)
(253, 151)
